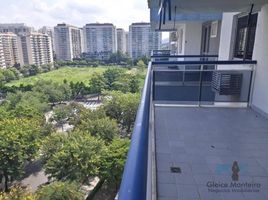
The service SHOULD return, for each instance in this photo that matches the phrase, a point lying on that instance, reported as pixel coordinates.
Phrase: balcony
(195, 132)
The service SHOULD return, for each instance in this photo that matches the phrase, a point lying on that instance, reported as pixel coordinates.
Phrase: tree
(77, 159)
(2, 77)
(113, 162)
(27, 104)
(17, 193)
(122, 107)
(60, 191)
(19, 143)
(111, 75)
(53, 91)
(105, 128)
(51, 144)
(119, 58)
(97, 84)
(79, 89)
(133, 84)
(141, 65)
(9, 75)
(61, 114)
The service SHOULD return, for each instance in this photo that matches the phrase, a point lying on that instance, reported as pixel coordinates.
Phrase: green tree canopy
(60, 191)
(17, 193)
(27, 104)
(19, 143)
(122, 107)
(97, 84)
(105, 128)
(53, 91)
(77, 159)
(141, 65)
(61, 114)
(111, 75)
(113, 161)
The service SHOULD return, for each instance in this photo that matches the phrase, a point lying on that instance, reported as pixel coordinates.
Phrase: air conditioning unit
(225, 83)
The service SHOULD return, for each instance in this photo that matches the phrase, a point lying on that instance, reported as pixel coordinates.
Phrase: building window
(242, 43)
(214, 29)
(181, 41)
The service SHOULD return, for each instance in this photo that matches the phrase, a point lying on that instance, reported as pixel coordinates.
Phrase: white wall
(260, 53)
(227, 36)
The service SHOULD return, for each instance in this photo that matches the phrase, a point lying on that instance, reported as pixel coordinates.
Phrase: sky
(38, 13)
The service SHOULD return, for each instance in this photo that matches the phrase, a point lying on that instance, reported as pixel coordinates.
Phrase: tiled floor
(204, 143)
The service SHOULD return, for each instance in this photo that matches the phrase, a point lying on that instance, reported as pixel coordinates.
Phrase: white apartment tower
(68, 42)
(2, 58)
(37, 49)
(100, 39)
(121, 40)
(127, 43)
(50, 32)
(11, 48)
(142, 40)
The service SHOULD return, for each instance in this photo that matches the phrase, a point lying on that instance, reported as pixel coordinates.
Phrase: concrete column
(260, 53)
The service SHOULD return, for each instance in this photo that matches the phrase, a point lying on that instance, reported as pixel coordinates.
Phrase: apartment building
(142, 40)
(37, 49)
(100, 40)
(127, 43)
(2, 58)
(11, 48)
(121, 40)
(50, 32)
(201, 130)
(17, 28)
(68, 42)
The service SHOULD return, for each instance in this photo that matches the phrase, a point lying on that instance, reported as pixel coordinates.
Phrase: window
(214, 29)
(243, 44)
(181, 41)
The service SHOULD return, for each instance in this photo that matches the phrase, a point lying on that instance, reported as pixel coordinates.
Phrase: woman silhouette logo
(235, 169)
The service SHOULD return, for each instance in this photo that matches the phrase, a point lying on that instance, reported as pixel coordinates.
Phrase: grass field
(74, 74)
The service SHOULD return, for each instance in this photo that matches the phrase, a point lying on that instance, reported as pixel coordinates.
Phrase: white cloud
(79, 12)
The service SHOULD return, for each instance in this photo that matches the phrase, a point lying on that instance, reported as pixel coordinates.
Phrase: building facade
(67, 41)
(121, 40)
(17, 28)
(2, 58)
(100, 40)
(142, 40)
(11, 48)
(50, 32)
(37, 49)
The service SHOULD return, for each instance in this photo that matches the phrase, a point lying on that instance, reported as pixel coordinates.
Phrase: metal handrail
(206, 62)
(134, 181)
(184, 56)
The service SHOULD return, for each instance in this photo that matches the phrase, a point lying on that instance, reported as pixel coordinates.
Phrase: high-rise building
(121, 40)
(142, 40)
(2, 58)
(37, 49)
(11, 48)
(127, 43)
(17, 28)
(50, 32)
(100, 40)
(68, 42)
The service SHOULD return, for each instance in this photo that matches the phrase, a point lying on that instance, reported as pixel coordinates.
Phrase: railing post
(200, 85)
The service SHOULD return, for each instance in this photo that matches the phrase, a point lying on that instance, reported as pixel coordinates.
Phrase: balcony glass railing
(192, 82)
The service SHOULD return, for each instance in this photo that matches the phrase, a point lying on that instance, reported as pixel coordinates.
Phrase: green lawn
(74, 74)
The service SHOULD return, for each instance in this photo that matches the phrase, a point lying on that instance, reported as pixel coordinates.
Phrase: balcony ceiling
(200, 10)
